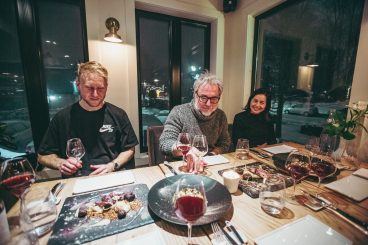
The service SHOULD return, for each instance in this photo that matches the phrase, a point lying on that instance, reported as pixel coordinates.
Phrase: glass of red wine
(17, 175)
(190, 201)
(298, 164)
(184, 143)
(323, 165)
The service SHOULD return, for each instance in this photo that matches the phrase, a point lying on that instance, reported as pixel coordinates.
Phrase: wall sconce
(113, 26)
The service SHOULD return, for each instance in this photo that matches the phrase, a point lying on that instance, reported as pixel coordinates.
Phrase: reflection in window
(61, 51)
(15, 128)
(172, 52)
(306, 53)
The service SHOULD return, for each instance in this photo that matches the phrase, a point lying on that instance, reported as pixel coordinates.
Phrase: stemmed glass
(17, 175)
(190, 201)
(183, 143)
(75, 148)
(200, 142)
(298, 164)
(323, 164)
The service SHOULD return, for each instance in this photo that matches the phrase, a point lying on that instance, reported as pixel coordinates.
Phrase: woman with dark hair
(255, 123)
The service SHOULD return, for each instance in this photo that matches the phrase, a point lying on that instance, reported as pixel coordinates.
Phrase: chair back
(155, 156)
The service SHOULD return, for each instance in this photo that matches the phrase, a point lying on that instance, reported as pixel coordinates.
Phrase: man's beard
(206, 114)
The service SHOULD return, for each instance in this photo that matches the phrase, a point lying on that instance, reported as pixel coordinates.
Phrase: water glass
(39, 205)
(242, 149)
(272, 194)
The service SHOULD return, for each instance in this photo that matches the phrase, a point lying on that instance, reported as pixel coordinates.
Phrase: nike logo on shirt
(105, 128)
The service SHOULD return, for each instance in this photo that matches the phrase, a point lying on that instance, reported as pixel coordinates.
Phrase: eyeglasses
(204, 99)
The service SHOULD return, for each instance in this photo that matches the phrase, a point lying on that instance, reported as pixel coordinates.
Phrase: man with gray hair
(200, 116)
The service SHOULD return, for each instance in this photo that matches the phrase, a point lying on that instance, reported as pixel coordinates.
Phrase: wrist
(114, 166)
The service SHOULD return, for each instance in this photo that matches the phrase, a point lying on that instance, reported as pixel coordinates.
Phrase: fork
(219, 236)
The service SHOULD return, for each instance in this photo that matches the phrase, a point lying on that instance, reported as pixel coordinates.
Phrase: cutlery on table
(360, 225)
(172, 170)
(219, 235)
(259, 154)
(55, 190)
(232, 228)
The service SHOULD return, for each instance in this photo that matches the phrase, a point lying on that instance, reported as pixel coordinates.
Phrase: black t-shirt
(255, 128)
(105, 133)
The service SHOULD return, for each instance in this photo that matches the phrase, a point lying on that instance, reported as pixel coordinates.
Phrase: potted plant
(349, 130)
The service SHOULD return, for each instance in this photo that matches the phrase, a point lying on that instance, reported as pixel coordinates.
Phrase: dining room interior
(308, 53)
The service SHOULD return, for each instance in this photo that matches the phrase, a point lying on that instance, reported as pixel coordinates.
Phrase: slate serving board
(69, 229)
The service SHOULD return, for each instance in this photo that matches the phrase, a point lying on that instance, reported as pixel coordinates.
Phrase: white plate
(351, 186)
(279, 149)
(217, 159)
(304, 231)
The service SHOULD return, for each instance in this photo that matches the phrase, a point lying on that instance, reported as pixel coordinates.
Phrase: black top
(105, 133)
(255, 128)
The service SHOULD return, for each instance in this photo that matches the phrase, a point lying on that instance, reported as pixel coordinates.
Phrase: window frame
(33, 69)
(174, 57)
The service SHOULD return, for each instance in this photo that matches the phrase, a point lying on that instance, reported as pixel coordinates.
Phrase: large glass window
(172, 52)
(61, 51)
(15, 126)
(305, 54)
(38, 57)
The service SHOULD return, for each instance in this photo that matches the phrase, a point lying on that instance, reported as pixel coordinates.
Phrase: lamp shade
(113, 26)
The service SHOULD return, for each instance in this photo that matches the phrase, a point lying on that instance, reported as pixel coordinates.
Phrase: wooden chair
(155, 156)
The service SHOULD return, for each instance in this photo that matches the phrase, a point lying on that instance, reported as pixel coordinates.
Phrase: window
(25, 78)
(305, 54)
(172, 52)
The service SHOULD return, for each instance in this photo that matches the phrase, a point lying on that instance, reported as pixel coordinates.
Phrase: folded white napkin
(217, 159)
(363, 172)
(103, 182)
(279, 149)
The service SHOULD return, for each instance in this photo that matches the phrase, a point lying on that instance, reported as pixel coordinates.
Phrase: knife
(232, 228)
(259, 154)
(229, 238)
(172, 170)
(360, 225)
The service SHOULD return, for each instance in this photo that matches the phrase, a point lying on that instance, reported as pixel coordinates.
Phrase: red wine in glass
(17, 175)
(298, 164)
(183, 143)
(19, 183)
(298, 172)
(184, 149)
(323, 166)
(190, 208)
(190, 200)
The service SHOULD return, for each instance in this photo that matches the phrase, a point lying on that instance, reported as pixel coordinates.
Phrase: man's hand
(100, 169)
(175, 151)
(69, 166)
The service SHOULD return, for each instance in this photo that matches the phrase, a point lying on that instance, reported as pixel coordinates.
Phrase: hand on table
(70, 166)
(102, 168)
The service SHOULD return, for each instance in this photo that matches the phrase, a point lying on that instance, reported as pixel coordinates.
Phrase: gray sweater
(185, 118)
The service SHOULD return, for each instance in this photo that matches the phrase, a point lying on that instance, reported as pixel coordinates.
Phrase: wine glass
(200, 142)
(298, 164)
(39, 205)
(75, 148)
(272, 194)
(190, 201)
(183, 143)
(17, 175)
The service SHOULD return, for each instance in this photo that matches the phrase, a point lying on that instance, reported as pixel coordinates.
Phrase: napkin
(363, 172)
(103, 182)
(279, 149)
(217, 159)
(151, 238)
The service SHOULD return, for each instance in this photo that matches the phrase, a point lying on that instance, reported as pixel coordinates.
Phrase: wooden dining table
(245, 213)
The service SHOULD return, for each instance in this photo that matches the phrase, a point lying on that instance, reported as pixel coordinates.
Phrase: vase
(346, 154)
